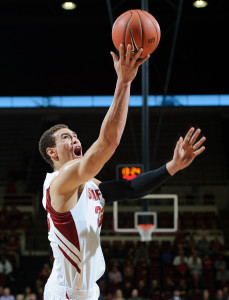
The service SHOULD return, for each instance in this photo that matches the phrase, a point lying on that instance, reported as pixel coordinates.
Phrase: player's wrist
(123, 82)
(172, 167)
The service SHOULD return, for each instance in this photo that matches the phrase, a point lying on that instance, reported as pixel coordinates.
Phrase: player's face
(68, 146)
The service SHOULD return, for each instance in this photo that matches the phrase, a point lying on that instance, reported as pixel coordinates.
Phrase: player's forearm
(115, 119)
(135, 188)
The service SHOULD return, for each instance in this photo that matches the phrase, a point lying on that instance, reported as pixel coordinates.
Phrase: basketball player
(74, 199)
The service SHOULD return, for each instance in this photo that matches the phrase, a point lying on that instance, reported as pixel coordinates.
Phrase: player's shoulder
(96, 181)
(49, 178)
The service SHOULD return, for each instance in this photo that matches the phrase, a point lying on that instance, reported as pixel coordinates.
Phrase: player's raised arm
(185, 152)
(76, 172)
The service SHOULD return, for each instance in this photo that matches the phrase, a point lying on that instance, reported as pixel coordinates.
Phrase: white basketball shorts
(54, 291)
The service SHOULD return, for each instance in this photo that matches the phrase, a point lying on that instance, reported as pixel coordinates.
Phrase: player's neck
(57, 165)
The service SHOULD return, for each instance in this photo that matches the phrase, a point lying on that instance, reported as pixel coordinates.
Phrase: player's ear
(51, 152)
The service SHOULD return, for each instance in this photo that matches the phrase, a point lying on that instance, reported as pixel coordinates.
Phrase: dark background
(48, 51)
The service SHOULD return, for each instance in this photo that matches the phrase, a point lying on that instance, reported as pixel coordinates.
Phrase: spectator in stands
(191, 243)
(176, 295)
(7, 295)
(102, 287)
(154, 288)
(182, 286)
(142, 254)
(195, 263)
(118, 295)
(203, 246)
(1, 290)
(143, 290)
(43, 276)
(225, 292)
(19, 297)
(222, 276)
(219, 295)
(130, 253)
(206, 295)
(168, 285)
(155, 250)
(180, 263)
(166, 258)
(13, 249)
(33, 296)
(141, 270)
(27, 292)
(220, 262)
(207, 262)
(216, 247)
(105, 279)
(180, 242)
(115, 276)
(6, 269)
(134, 295)
(196, 284)
(128, 270)
(203, 231)
(40, 292)
(127, 289)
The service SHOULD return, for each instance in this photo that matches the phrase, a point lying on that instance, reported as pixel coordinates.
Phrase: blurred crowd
(185, 268)
(188, 267)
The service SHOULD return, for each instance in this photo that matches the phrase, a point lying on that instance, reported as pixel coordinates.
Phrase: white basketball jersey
(75, 238)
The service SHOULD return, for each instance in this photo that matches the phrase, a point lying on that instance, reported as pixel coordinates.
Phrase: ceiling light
(68, 5)
(200, 3)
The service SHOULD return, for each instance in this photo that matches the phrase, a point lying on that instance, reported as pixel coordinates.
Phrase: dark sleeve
(135, 188)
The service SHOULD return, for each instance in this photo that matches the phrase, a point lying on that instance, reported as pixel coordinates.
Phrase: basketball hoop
(145, 231)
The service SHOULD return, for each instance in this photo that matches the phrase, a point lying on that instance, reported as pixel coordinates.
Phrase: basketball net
(145, 231)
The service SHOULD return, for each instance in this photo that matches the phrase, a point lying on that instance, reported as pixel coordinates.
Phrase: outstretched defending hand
(186, 151)
(127, 65)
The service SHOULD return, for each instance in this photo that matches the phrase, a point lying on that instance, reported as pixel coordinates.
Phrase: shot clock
(128, 171)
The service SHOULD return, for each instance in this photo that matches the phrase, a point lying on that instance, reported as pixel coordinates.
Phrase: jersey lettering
(94, 194)
(99, 211)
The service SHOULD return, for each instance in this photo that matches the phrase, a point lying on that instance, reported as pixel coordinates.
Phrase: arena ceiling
(48, 51)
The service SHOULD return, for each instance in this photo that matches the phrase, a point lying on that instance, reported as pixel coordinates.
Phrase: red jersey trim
(63, 222)
(68, 247)
(70, 260)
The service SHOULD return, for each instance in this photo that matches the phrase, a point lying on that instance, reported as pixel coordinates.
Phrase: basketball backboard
(166, 204)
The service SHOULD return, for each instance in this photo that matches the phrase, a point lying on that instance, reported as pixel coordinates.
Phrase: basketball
(138, 28)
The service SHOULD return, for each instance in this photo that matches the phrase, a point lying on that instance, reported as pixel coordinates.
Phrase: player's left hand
(186, 150)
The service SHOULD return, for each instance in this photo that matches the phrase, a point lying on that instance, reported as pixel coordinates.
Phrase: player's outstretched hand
(127, 65)
(186, 151)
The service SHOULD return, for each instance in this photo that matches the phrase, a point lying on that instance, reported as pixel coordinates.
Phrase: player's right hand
(127, 65)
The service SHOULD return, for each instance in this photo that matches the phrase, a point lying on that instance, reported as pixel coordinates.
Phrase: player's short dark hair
(48, 140)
